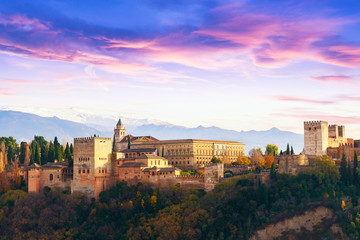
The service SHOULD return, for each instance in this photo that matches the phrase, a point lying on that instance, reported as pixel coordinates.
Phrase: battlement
(314, 123)
(333, 126)
(89, 139)
(190, 176)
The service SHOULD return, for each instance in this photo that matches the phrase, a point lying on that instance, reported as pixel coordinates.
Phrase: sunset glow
(234, 64)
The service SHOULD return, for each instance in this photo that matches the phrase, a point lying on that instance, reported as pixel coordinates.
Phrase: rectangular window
(79, 171)
(88, 171)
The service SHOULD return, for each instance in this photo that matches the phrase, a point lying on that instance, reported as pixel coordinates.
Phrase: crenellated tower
(316, 135)
(120, 133)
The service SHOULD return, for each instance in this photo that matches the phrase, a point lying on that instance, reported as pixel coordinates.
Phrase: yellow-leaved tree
(243, 160)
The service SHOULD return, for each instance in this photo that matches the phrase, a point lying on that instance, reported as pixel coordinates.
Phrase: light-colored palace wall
(191, 152)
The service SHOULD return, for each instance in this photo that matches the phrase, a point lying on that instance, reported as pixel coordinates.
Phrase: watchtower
(316, 134)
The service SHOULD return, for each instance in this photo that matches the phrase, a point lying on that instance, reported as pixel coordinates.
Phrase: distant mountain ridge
(23, 126)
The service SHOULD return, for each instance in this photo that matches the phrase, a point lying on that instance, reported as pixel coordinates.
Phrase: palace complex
(99, 163)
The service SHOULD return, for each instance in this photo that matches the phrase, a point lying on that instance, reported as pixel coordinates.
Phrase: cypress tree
(58, 153)
(71, 149)
(22, 152)
(349, 175)
(44, 153)
(162, 153)
(129, 143)
(67, 153)
(37, 157)
(281, 152)
(356, 177)
(51, 154)
(292, 150)
(56, 142)
(58, 150)
(343, 171)
(287, 150)
(273, 171)
(113, 145)
(32, 156)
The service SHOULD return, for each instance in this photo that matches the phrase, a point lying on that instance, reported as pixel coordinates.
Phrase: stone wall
(290, 163)
(237, 170)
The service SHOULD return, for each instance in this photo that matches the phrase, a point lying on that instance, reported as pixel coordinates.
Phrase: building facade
(320, 138)
(96, 167)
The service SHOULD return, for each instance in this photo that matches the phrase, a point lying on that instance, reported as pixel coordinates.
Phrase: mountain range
(24, 126)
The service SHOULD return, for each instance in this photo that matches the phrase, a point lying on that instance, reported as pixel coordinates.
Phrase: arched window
(51, 177)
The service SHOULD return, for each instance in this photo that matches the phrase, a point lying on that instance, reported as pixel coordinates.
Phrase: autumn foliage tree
(269, 159)
(243, 160)
(257, 159)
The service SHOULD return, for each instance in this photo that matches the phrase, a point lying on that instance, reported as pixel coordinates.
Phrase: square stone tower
(316, 135)
(92, 165)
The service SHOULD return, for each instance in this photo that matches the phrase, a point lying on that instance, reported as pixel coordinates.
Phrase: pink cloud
(23, 22)
(6, 92)
(296, 99)
(349, 98)
(332, 78)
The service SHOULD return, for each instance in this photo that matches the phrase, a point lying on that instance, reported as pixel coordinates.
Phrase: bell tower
(120, 133)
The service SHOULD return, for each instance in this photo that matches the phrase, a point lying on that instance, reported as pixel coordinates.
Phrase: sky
(238, 65)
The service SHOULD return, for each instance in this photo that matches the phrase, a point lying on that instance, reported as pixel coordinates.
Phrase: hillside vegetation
(234, 210)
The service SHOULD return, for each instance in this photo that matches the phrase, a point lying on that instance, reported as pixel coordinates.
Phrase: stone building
(182, 153)
(96, 167)
(319, 136)
(49, 175)
(92, 165)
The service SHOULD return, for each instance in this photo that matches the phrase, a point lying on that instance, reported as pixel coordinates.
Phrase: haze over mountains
(23, 127)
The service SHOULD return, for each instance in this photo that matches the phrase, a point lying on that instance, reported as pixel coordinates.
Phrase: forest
(233, 210)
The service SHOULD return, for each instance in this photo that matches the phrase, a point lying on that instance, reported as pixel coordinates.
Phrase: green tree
(67, 153)
(71, 149)
(356, 176)
(129, 142)
(292, 150)
(349, 175)
(58, 150)
(273, 171)
(281, 152)
(37, 157)
(56, 142)
(35, 153)
(22, 154)
(326, 171)
(343, 170)
(51, 153)
(44, 153)
(272, 149)
(113, 144)
(162, 152)
(215, 160)
(287, 150)
(58, 153)
(11, 153)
